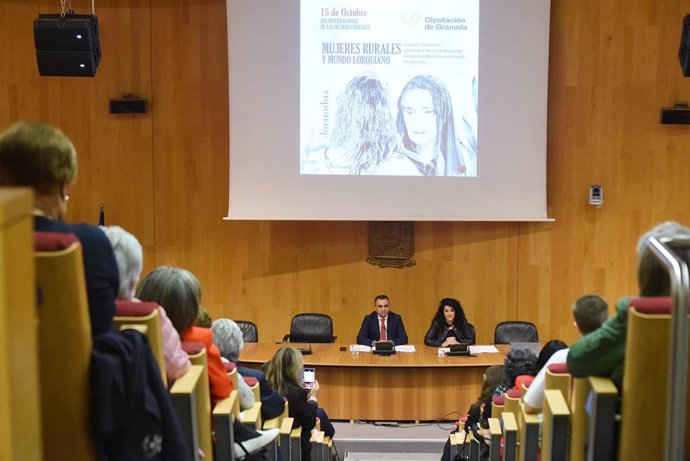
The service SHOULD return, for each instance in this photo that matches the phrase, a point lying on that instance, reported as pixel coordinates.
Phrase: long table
(418, 386)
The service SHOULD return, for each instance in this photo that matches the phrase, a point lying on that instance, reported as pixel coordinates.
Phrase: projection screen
(388, 110)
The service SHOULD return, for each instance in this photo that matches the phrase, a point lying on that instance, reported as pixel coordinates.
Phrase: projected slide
(389, 87)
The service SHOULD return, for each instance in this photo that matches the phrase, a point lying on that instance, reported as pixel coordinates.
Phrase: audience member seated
(180, 292)
(382, 325)
(495, 385)
(284, 373)
(449, 326)
(546, 353)
(130, 260)
(602, 352)
(589, 312)
(203, 319)
(224, 336)
(43, 158)
(518, 362)
(227, 336)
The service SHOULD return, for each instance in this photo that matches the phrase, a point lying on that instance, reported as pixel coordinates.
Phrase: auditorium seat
(64, 346)
(197, 355)
(555, 426)
(557, 377)
(185, 392)
(250, 332)
(645, 380)
(578, 417)
(510, 437)
(311, 328)
(222, 427)
(144, 313)
(515, 331)
(528, 434)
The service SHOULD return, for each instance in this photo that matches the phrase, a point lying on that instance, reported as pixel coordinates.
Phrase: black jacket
(132, 414)
(304, 413)
(438, 332)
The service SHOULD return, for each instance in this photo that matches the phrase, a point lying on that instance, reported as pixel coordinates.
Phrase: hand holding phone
(309, 377)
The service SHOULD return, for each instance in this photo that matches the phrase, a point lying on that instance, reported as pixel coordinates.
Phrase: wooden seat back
(204, 399)
(144, 313)
(557, 377)
(645, 380)
(20, 412)
(64, 346)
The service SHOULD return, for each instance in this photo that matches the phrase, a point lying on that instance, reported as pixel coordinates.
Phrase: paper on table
(405, 348)
(490, 349)
(359, 348)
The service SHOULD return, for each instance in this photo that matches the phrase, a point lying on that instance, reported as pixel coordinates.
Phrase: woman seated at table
(449, 326)
(284, 374)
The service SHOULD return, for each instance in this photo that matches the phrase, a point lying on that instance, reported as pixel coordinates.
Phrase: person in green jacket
(602, 352)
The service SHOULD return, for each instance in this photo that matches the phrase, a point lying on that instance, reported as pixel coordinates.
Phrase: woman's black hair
(460, 319)
(518, 362)
(546, 352)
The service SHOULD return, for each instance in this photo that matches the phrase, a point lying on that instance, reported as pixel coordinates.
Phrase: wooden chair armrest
(252, 416)
(296, 443)
(529, 433)
(555, 426)
(510, 429)
(222, 423)
(141, 328)
(184, 393)
(496, 434)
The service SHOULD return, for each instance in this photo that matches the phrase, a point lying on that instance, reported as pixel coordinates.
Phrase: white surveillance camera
(596, 195)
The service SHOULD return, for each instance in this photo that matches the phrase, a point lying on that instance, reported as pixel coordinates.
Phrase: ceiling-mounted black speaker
(67, 46)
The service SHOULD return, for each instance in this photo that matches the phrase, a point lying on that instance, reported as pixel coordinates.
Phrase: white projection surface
(407, 110)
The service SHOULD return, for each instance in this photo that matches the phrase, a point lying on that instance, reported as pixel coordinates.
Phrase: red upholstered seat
(53, 241)
(250, 380)
(229, 366)
(558, 368)
(498, 400)
(514, 393)
(134, 308)
(192, 347)
(660, 305)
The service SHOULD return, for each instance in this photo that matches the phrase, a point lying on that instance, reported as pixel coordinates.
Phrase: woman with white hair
(129, 258)
(227, 336)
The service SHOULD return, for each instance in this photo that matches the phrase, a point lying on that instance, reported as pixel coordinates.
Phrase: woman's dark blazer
(437, 334)
(304, 413)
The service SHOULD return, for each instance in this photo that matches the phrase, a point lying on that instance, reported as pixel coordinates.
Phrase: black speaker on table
(67, 46)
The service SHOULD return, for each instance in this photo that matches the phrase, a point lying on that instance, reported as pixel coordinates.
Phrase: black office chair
(250, 333)
(474, 333)
(311, 328)
(515, 331)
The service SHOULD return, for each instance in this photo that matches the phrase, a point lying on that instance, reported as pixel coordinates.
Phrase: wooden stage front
(418, 386)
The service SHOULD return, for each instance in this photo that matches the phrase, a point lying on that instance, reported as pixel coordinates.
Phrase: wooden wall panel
(115, 151)
(613, 64)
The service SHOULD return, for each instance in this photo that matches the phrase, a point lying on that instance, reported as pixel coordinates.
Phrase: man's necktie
(384, 337)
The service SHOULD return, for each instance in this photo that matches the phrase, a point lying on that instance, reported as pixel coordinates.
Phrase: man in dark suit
(382, 325)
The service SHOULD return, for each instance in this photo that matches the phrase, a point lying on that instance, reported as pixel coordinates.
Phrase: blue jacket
(371, 329)
(132, 416)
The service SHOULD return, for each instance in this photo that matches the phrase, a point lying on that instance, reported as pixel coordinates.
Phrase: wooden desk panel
(404, 386)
